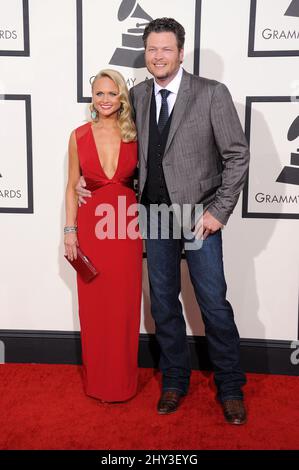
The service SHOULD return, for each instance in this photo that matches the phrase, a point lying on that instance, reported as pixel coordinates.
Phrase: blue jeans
(207, 276)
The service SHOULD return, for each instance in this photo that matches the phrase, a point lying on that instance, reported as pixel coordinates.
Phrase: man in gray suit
(191, 150)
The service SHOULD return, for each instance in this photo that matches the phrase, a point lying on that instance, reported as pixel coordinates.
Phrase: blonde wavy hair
(125, 115)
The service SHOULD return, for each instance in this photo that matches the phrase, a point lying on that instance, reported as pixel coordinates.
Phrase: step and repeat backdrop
(49, 50)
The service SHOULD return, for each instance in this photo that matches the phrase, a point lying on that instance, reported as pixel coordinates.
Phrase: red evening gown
(109, 306)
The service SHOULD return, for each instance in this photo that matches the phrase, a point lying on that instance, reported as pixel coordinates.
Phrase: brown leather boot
(234, 411)
(169, 402)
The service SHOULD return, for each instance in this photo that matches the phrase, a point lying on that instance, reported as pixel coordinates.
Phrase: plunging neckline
(98, 156)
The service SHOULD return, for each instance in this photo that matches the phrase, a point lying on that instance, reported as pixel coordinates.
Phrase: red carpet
(44, 407)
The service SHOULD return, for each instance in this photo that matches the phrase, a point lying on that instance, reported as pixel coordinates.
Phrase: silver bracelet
(70, 229)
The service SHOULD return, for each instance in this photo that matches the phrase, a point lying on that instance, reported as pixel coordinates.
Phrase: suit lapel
(179, 109)
(145, 112)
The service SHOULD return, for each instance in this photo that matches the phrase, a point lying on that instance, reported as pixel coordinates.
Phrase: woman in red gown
(104, 151)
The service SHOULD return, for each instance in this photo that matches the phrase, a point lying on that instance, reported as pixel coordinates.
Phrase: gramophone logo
(274, 28)
(131, 52)
(290, 174)
(115, 39)
(272, 130)
(293, 9)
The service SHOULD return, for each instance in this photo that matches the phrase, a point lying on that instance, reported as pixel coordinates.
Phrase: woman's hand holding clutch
(70, 245)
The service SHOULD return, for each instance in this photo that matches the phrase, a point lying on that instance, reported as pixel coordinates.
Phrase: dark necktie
(163, 117)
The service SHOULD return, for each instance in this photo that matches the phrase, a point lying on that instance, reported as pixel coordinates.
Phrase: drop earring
(93, 114)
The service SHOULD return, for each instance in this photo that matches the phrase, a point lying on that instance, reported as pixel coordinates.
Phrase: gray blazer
(206, 156)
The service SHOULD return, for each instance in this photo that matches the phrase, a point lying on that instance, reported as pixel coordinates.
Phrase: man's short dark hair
(161, 25)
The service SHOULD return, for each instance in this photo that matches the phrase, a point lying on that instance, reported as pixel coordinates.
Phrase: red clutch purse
(83, 266)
